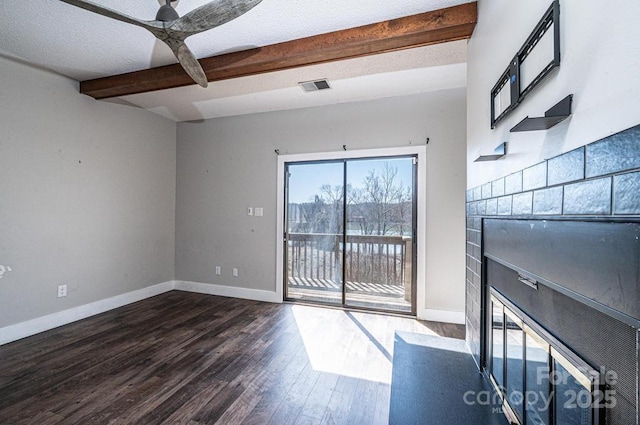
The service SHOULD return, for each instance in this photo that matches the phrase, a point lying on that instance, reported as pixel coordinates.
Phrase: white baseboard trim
(41, 324)
(456, 317)
(228, 291)
(31, 327)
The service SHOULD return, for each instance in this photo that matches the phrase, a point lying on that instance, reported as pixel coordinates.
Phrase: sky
(306, 179)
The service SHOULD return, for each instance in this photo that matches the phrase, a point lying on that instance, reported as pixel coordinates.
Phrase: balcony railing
(382, 260)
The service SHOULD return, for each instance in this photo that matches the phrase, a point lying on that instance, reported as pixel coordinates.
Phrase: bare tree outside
(322, 215)
(379, 205)
(382, 205)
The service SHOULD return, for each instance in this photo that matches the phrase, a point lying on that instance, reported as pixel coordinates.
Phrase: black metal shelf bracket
(498, 153)
(558, 113)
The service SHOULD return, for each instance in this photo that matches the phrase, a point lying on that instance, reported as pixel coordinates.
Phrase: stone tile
(548, 201)
(476, 292)
(497, 187)
(522, 203)
(478, 238)
(534, 177)
(492, 206)
(504, 205)
(469, 195)
(471, 236)
(513, 183)
(477, 193)
(473, 208)
(486, 190)
(566, 168)
(590, 197)
(482, 207)
(626, 194)
(613, 154)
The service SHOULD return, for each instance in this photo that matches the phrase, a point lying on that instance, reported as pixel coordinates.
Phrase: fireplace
(560, 319)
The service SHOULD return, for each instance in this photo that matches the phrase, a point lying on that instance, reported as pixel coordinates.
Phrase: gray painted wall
(226, 165)
(87, 196)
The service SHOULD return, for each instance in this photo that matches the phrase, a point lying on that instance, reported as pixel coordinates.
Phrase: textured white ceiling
(81, 45)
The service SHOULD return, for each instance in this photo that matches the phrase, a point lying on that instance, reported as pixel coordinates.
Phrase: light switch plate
(62, 291)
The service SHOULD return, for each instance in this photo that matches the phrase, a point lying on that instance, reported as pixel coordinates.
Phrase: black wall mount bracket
(549, 22)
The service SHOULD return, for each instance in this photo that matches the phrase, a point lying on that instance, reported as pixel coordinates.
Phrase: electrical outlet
(218, 270)
(235, 272)
(62, 291)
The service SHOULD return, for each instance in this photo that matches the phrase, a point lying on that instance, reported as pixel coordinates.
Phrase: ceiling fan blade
(188, 61)
(152, 26)
(211, 15)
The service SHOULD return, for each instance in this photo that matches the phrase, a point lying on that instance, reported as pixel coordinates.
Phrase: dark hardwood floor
(184, 358)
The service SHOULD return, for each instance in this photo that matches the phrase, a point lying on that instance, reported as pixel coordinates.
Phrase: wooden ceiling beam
(440, 26)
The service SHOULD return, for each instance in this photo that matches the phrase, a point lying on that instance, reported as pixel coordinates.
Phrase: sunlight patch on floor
(363, 347)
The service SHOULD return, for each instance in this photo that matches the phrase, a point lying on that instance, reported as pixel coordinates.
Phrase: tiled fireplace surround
(601, 179)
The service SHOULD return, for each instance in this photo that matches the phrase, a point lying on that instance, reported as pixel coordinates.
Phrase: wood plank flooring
(184, 358)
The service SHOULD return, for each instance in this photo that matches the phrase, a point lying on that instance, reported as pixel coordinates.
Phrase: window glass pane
(515, 364)
(572, 400)
(497, 338)
(314, 227)
(379, 245)
(537, 383)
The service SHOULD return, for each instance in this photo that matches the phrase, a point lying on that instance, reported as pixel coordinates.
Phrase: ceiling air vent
(309, 86)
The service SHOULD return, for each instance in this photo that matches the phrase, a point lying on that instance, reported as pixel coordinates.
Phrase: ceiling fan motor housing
(167, 13)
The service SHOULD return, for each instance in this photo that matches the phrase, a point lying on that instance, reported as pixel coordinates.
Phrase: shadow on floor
(435, 381)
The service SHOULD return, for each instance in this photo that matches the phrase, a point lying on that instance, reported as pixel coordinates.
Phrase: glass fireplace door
(539, 380)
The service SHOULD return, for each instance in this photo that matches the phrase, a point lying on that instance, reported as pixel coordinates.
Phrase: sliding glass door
(350, 233)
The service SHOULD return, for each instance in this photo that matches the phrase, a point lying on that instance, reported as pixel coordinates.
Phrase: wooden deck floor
(184, 358)
(358, 294)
